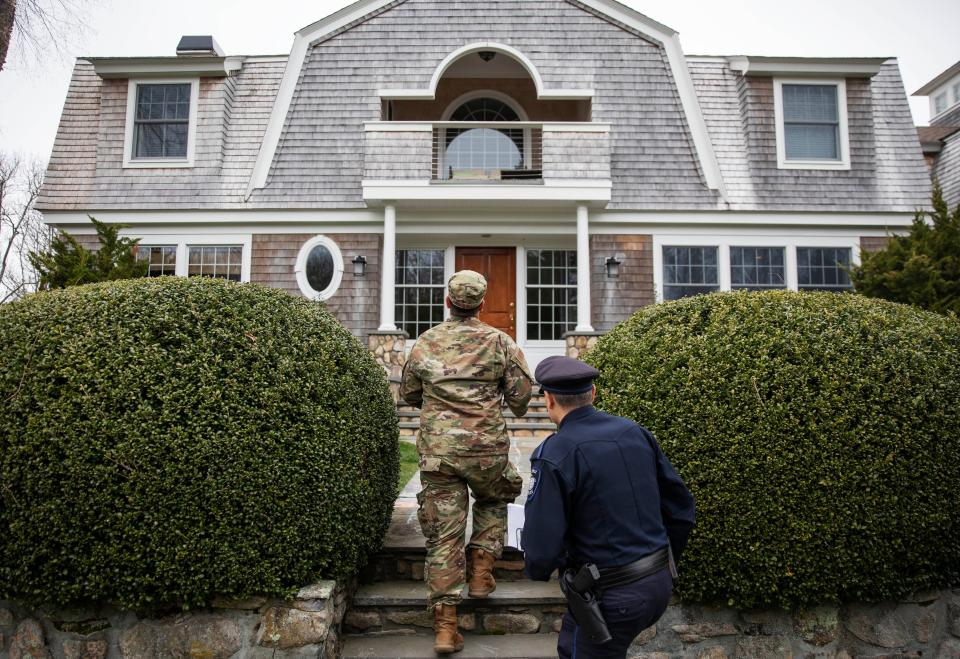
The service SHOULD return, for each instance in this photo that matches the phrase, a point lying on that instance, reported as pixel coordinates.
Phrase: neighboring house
(566, 148)
(941, 139)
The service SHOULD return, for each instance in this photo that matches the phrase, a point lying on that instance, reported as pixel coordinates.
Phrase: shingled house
(941, 139)
(568, 149)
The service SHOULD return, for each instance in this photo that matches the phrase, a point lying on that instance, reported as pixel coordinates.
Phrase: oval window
(319, 268)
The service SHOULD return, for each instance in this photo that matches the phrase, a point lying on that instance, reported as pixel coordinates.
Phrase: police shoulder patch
(534, 481)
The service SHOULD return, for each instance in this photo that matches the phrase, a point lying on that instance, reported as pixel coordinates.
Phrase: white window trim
(844, 140)
(129, 162)
(300, 269)
(723, 243)
(184, 242)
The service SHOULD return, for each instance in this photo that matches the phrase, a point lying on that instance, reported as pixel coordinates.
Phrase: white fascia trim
(129, 162)
(774, 221)
(584, 191)
(291, 74)
(183, 241)
(125, 67)
(843, 163)
(798, 66)
(188, 219)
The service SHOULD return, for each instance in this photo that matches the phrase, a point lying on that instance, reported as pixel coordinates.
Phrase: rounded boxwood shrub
(819, 434)
(165, 440)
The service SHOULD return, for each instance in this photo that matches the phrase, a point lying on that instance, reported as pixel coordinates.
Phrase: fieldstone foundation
(305, 626)
(579, 343)
(924, 625)
(389, 349)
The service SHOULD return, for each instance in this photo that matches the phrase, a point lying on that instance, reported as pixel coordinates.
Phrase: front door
(499, 266)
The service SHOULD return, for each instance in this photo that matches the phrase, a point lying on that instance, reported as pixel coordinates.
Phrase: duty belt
(625, 574)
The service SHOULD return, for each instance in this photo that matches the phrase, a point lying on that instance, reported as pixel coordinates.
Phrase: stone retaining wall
(308, 625)
(925, 625)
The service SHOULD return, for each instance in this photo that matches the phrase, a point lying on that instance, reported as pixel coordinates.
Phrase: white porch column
(388, 267)
(583, 271)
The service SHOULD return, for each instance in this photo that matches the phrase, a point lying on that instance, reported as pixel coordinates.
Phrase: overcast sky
(923, 34)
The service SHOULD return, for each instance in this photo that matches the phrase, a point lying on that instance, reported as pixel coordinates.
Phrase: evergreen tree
(68, 263)
(921, 268)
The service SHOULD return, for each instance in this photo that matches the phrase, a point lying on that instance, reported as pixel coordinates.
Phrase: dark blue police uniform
(603, 492)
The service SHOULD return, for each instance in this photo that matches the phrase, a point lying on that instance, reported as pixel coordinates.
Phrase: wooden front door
(499, 266)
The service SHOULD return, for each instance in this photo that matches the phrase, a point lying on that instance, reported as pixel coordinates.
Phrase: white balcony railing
(486, 152)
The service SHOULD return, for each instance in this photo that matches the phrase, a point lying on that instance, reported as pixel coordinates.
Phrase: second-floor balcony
(486, 154)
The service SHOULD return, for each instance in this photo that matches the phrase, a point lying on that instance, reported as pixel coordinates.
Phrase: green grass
(409, 463)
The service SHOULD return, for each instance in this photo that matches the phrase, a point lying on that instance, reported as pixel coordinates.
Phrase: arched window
(483, 152)
(484, 109)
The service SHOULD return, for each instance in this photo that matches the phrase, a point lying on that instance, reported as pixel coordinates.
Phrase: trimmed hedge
(165, 440)
(819, 434)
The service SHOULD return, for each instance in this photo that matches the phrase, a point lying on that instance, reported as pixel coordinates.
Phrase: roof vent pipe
(199, 46)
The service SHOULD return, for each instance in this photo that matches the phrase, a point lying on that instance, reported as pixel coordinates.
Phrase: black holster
(578, 588)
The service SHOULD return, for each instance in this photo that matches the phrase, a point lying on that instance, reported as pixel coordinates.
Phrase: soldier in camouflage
(459, 372)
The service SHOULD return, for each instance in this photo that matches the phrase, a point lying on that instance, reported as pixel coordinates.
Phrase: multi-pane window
(161, 259)
(940, 103)
(811, 122)
(551, 293)
(419, 290)
(689, 271)
(956, 92)
(757, 268)
(823, 268)
(161, 121)
(222, 261)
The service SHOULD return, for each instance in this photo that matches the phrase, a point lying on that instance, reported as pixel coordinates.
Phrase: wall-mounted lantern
(359, 266)
(613, 267)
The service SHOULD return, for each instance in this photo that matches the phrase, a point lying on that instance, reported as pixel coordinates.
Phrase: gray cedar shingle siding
(86, 168)
(356, 302)
(319, 162)
(873, 243)
(395, 155)
(653, 161)
(613, 300)
(947, 169)
(576, 155)
(886, 172)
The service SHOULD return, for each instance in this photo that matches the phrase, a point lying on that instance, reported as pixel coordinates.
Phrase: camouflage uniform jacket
(458, 372)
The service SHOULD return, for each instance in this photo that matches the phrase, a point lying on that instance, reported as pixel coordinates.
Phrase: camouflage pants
(443, 515)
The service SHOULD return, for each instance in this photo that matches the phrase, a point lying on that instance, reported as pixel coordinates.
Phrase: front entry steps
(534, 646)
(388, 615)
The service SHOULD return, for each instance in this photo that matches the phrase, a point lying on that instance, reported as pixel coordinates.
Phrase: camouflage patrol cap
(466, 289)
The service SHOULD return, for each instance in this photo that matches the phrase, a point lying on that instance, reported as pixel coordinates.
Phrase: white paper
(515, 519)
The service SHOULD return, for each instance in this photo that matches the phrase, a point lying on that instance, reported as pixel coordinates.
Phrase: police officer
(460, 372)
(603, 493)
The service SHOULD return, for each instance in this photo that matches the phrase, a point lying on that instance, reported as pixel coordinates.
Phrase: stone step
(405, 563)
(532, 646)
(519, 607)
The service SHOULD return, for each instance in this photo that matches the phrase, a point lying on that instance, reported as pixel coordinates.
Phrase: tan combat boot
(448, 640)
(481, 578)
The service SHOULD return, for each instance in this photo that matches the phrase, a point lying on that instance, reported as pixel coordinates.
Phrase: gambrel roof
(686, 133)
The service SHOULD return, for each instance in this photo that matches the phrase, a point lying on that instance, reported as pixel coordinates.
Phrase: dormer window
(161, 123)
(811, 118)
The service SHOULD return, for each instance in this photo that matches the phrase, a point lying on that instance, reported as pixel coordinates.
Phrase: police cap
(466, 289)
(565, 375)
